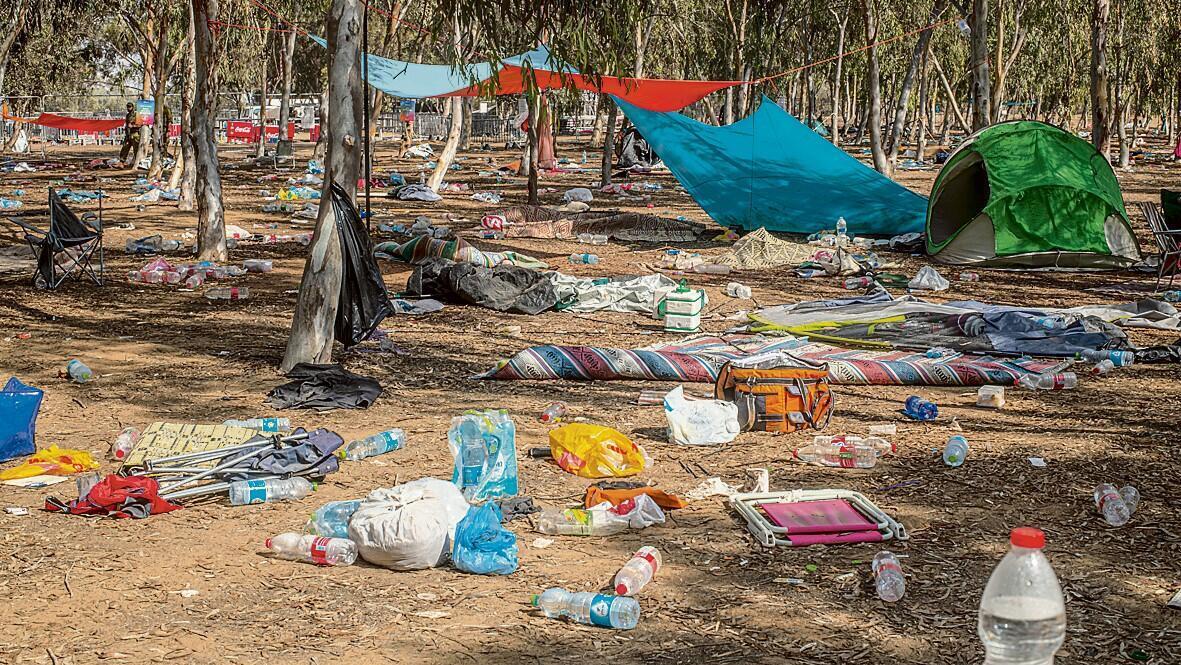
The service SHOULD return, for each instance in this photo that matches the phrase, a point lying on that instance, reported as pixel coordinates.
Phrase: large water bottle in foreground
(594, 609)
(332, 519)
(374, 444)
(472, 456)
(1022, 614)
(319, 550)
(243, 492)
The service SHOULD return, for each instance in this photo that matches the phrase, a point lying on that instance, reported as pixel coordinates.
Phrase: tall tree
(211, 223)
(1100, 101)
(874, 85)
(319, 291)
(184, 174)
(159, 126)
(981, 85)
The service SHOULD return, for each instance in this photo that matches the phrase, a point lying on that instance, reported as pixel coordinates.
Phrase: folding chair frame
(1167, 240)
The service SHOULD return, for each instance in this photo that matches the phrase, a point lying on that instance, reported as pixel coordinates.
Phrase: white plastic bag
(408, 526)
(578, 194)
(928, 279)
(699, 422)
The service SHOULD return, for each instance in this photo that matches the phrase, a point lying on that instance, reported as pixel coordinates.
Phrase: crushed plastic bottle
(78, 371)
(969, 277)
(262, 424)
(244, 492)
(1063, 381)
(736, 290)
(956, 451)
(554, 413)
(620, 612)
(1111, 504)
(124, 443)
(1131, 497)
(320, 550)
(1022, 613)
(375, 444)
(228, 293)
(920, 409)
(1102, 367)
(194, 280)
(332, 519)
(888, 577)
(863, 282)
(638, 571)
(473, 455)
(589, 259)
(843, 452)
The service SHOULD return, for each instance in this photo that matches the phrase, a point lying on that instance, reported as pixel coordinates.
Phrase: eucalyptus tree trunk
(609, 145)
(184, 173)
(320, 151)
(288, 61)
(451, 146)
(534, 140)
(952, 103)
(211, 228)
(900, 111)
(465, 136)
(981, 86)
(925, 115)
(599, 128)
(874, 112)
(261, 149)
(1100, 103)
(159, 129)
(319, 290)
(842, 19)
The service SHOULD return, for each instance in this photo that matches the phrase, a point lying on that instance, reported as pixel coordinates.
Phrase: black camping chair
(1168, 240)
(69, 248)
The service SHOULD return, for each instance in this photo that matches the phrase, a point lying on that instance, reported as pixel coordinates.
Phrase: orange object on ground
(597, 495)
(52, 461)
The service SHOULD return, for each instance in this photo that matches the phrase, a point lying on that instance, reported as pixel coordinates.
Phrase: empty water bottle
(194, 280)
(580, 522)
(375, 444)
(888, 578)
(862, 282)
(262, 424)
(1131, 497)
(842, 230)
(1111, 504)
(1063, 381)
(553, 413)
(472, 455)
(583, 258)
(593, 609)
(124, 443)
(1022, 613)
(243, 492)
(969, 277)
(592, 239)
(1117, 358)
(736, 290)
(231, 293)
(638, 572)
(711, 269)
(258, 265)
(320, 550)
(918, 408)
(78, 371)
(1102, 367)
(850, 453)
(332, 519)
(956, 451)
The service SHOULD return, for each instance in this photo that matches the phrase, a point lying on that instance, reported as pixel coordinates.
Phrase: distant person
(131, 125)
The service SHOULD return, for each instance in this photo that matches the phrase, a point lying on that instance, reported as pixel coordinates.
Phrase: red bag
(117, 496)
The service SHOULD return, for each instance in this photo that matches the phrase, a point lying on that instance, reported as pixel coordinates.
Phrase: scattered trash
(124, 443)
(581, 194)
(712, 486)
(736, 290)
(1116, 506)
(699, 422)
(619, 612)
(262, 424)
(638, 571)
(245, 492)
(258, 265)
(375, 444)
(408, 526)
(595, 451)
(542, 543)
(1037, 462)
(16, 511)
(589, 259)
(1063, 381)
(332, 519)
(928, 279)
(487, 197)
(482, 545)
(601, 520)
(231, 293)
(320, 550)
(956, 451)
(651, 397)
(888, 578)
(969, 277)
(1023, 591)
(554, 413)
(483, 445)
(78, 372)
(917, 408)
(52, 461)
(845, 451)
(991, 397)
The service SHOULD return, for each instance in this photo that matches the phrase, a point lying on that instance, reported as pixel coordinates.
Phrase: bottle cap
(267, 544)
(621, 589)
(1027, 537)
(534, 599)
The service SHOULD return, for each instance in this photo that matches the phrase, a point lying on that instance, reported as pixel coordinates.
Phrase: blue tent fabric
(770, 170)
(410, 80)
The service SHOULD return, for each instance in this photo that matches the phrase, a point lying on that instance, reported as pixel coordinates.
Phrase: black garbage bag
(504, 288)
(635, 151)
(364, 301)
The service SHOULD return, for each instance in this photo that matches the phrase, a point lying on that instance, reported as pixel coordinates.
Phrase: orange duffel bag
(778, 399)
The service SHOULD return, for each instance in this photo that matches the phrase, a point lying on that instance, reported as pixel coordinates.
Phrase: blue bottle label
(471, 476)
(600, 610)
(270, 424)
(258, 491)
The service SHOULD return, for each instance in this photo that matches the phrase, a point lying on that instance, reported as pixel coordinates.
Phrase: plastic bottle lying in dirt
(262, 424)
(956, 451)
(320, 550)
(862, 282)
(920, 409)
(244, 492)
(1102, 367)
(553, 413)
(1063, 381)
(124, 443)
(637, 572)
(231, 293)
(590, 259)
(78, 371)
(258, 265)
(594, 609)
(844, 454)
(332, 519)
(1111, 504)
(375, 444)
(888, 578)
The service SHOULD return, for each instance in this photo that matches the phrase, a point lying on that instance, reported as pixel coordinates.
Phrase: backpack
(778, 399)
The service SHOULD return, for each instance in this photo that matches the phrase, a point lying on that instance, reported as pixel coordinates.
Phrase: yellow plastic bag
(52, 461)
(594, 451)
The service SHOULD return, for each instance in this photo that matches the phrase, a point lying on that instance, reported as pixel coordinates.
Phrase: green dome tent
(1029, 195)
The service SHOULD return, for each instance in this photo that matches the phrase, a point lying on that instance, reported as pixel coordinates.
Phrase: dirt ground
(80, 590)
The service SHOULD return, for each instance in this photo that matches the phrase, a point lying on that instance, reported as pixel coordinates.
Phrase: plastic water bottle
(842, 231)
(579, 522)
(553, 413)
(956, 451)
(78, 371)
(969, 277)
(320, 550)
(231, 293)
(862, 282)
(124, 443)
(938, 352)
(243, 492)
(1131, 497)
(1117, 358)
(472, 456)
(1063, 381)
(332, 519)
(590, 259)
(736, 290)
(196, 279)
(888, 578)
(618, 612)
(262, 424)
(880, 445)
(918, 408)
(1111, 504)
(1102, 367)
(711, 269)
(375, 444)
(592, 239)
(1022, 614)
(638, 572)
(843, 453)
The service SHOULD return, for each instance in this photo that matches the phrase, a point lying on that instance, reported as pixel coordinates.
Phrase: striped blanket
(459, 250)
(698, 359)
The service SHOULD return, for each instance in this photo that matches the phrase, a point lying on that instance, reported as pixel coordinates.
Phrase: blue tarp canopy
(770, 170)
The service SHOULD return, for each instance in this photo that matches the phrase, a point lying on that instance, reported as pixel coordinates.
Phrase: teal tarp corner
(770, 170)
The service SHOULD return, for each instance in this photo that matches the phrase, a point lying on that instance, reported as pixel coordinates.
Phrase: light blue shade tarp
(410, 80)
(770, 170)
(540, 58)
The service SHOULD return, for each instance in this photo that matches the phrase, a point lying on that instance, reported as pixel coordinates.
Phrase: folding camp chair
(1167, 239)
(69, 247)
(284, 152)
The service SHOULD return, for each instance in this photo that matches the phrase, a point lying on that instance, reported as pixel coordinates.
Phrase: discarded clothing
(423, 248)
(596, 495)
(416, 307)
(638, 294)
(315, 453)
(133, 497)
(414, 192)
(323, 388)
(504, 288)
(516, 506)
